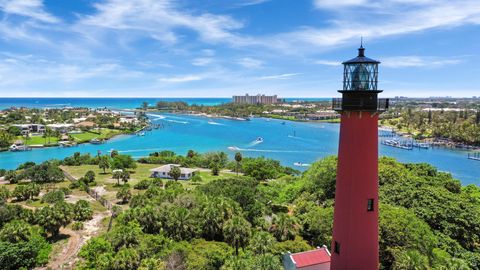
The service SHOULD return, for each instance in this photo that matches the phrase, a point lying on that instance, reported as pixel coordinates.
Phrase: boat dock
(405, 145)
(474, 156)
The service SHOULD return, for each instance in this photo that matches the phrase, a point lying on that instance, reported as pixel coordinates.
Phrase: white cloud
(328, 63)
(338, 3)
(202, 61)
(181, 79)
(279, 76)
(418, 61)
(252, 2)
(249, 62)
(159, 19)
(28, 8)
(377, 19)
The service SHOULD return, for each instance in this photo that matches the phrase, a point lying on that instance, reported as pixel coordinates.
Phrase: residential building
(318, 259)
(31, 128)
(257, 99)
(164, 172)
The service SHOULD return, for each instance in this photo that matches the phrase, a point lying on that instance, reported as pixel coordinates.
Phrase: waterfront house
(30, 128)
(62, 128)
(318, 259)
(164, 172)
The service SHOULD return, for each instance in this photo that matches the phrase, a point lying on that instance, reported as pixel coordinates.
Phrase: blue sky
(217, 48)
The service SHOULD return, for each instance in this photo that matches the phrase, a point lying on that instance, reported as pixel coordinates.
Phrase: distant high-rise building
(258, 99)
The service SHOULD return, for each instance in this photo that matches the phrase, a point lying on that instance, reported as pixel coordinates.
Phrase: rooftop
(312, 257)
(168, 167)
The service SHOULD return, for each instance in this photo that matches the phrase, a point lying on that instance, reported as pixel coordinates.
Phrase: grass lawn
(140, 173)
(38, 140)
(104, 133)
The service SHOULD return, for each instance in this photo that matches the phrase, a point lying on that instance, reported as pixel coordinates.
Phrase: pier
(474, 156)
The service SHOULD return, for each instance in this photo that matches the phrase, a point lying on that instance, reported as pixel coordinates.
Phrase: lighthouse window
(337, 247)
(370, 205)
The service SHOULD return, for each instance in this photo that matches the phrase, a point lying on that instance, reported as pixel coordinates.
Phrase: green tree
(125, 177)
(175, 172)
(215, 169)
(16, 231)
(237, 232)
(125, 236)
(11, 176)
(126, 259)
(124, 194)
(82, 211)
(52, 218)
(89, 176)
(94, 248)
(6, 139)
(262, 243)
(284, 227)
(410, 260)
(238, 159)
(104, 163)
(4, 194)
(117, 174)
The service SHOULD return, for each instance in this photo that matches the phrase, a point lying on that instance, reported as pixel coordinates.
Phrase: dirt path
(67, 258)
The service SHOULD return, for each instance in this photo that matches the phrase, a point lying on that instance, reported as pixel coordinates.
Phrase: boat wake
(259, 140)
(235, 148)
(178, 122)
(301, 138)
(215, 123)
(156, 116)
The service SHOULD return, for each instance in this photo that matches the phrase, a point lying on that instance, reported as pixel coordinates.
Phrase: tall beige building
(258, 99)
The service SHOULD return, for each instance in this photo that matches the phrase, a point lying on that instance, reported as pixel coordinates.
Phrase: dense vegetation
(427, 221)
(461, 125)
(244, 110)
(245, 219)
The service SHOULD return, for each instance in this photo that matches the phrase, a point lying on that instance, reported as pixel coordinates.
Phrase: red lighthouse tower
(355, 226)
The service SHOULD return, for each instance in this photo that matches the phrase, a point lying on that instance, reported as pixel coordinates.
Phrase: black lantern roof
(361, 58)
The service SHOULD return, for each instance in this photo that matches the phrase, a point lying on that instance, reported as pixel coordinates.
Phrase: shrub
(196, 178)
(142, 185)
(54, 197)
(77, 226)
(82, 211)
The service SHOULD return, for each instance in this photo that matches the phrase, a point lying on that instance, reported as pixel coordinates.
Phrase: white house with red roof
(318, 259)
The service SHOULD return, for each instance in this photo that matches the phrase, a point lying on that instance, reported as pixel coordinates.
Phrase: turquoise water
(312, 141)
(119, 103)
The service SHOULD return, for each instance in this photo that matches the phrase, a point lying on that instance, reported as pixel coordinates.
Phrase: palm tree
(175, 172)
(284, 227)
(104, 163)
(237, 232)
(47, 134)
(125, 177)
(410, 260)
(238, 159)
(262, 243)
(117, 174)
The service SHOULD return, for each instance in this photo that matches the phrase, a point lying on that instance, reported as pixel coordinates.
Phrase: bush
(26, 192)
(54, 197)
(197, 178)
(77, 226)
(142, 185)
(157, 182)
(82, 211)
